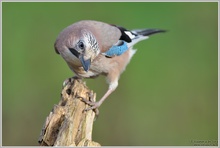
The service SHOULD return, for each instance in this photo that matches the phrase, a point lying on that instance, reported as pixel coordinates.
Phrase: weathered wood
(68, 124)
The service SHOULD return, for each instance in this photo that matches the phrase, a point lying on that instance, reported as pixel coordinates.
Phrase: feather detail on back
(129, 39)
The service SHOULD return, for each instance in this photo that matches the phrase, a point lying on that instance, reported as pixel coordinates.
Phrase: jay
(93, 48)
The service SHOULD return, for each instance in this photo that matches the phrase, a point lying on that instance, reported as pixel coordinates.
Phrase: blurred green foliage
(167, 96)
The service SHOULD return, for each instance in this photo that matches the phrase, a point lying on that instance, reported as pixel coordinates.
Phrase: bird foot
(65, 82)
(93, 105)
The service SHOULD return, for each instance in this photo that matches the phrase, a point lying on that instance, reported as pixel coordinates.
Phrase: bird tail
(147, 32)
(143, 34)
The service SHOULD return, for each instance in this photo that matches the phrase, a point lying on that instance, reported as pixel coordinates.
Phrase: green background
(168, 94)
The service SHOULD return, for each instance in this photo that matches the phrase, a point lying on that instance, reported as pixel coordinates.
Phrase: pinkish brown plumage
(93, 48)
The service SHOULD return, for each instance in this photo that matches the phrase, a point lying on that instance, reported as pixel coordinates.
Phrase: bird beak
(85, 63)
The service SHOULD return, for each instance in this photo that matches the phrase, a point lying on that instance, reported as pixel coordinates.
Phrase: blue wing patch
(116, 50)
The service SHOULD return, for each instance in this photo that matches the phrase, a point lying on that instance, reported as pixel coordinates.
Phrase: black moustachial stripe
(74, 52)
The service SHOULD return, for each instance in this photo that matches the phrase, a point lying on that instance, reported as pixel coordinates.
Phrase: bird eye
(81, 45)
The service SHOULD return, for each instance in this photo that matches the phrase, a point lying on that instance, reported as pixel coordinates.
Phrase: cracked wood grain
(68, 124)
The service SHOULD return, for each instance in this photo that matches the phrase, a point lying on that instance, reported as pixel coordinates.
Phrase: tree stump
(68, 124)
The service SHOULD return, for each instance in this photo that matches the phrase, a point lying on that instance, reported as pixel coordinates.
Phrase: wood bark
(68, 124)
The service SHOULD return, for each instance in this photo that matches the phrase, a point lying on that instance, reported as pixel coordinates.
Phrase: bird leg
(95, 105)
(90, 101)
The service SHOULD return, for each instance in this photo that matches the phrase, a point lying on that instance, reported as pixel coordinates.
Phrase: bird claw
(69, 80)
(89, 102)
(65, 82)
(95, 109)
(93, 105)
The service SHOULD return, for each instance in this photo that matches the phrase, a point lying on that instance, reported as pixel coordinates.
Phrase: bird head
(77, 46)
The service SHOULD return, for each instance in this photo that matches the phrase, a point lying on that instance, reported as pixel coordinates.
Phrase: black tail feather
(147, 32)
